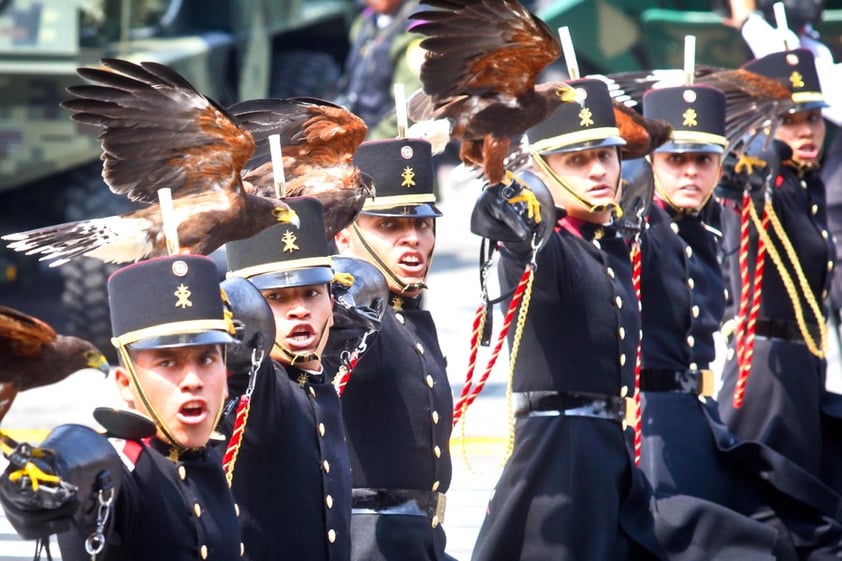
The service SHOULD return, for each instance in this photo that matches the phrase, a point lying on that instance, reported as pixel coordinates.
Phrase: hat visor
(808, 105)
(292, 278)
(210, 337)
(679, 147)
(405, 211)
(586, 145)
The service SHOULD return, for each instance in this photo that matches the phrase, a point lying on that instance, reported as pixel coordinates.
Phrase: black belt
(697, 382)
(783, 329)
(570, 404)
(407, 502)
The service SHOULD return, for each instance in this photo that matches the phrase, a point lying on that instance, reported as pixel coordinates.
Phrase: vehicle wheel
(84, 297)
(304, 73)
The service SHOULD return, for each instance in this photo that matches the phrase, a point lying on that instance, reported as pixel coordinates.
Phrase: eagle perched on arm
(482, 61)
(158, 131)
(318, 141)
(34, 355)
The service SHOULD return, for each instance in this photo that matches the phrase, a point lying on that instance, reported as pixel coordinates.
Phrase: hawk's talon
(35, 474)
(533, 207)
(748, 163)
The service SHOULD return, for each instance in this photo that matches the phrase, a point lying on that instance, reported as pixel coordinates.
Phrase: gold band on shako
(175, 328)
(281, 267)
(699, 137)
(564, 140)
(384, 202)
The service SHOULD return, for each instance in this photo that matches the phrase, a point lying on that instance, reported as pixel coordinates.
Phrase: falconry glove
(753, 168)
(50, 488)
(514, 213)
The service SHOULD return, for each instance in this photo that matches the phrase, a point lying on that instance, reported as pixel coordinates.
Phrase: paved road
(452, 299)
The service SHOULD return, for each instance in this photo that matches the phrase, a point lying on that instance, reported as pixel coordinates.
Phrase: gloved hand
(754, 169)
(47, 489)
(514, 212)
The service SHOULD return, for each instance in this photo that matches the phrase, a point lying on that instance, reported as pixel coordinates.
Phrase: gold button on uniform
(688, 251)
(622, 332)
(618, 301)
(435, 521)
(825, 235)
(312, 391)
(622, 359)
(695, 311)
(691, 284)
(242, 549)
(326, 466)
(624, 391)
(830, 265)
(610, 272)
(674, 227)
(321, 429)
(400, 319)
(824, 294)
(197, 510)
(597, 244)
(237, 509)
(429, 380)
(694, 366)
(419, 348)
(329, 501)
(331, 535)
(814, 209)
(436, 485)
(437, 451)
(203, 552)
(182, 473)
(691, 340)
(435, 416)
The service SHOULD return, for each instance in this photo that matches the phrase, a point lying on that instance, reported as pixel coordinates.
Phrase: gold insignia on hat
(397, 303)
(182, 295)
(289, 240)
(585, 117)
(796, 79)
(408, 175)
(689, 117)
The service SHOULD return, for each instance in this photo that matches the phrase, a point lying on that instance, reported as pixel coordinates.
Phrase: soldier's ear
(124, 386)
(342, 240)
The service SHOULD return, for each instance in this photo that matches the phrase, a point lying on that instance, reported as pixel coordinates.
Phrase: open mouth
(807, 151)
(412, 264)
(301, 337)
(192, 412)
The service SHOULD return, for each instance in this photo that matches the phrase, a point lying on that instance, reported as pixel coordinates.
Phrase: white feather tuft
(435, 131)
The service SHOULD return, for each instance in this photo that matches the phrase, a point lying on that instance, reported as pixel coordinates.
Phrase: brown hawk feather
(158, 131)
(318, 141)
(33, 355)
(482, 61)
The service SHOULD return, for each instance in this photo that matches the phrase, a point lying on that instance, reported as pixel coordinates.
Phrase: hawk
(158, 131)
(480, 69)
(318, 141)
(34, 355)
(751, 99)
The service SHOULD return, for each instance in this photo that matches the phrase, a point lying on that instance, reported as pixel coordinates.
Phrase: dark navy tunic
(397, 408)
(782, 406)
(166, 509)
(292, 478)
(570, 490)
(686, 448)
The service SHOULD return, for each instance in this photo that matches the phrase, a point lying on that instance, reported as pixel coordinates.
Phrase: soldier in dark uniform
(167, 498)
(291, 478)
(398, 403)
(781, 406)
(686, 449)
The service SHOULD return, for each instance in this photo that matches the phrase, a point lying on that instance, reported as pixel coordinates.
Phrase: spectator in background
(383, 52)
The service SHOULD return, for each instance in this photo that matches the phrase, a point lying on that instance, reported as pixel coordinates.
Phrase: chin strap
(293, 358)
(679, 210)
(545, 167)
(382, 267)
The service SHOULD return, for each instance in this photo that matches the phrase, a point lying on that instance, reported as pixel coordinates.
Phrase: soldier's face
(804, 131)
(185, 386)
(686, 179)
(302, 314)
(592, 175)
(405, 245)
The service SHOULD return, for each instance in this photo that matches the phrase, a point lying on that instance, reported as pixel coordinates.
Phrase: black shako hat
(172, 301)
(402, 169)
(697, 116)
(284, 256)
(581, 125)
(796, 69)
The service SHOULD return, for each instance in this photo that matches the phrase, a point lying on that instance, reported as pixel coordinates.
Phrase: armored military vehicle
(50, 170)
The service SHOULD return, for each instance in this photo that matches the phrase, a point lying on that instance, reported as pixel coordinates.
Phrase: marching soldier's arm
(50, 488)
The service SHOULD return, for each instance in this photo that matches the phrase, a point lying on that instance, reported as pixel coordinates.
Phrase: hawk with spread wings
(33, 355)
(318, 141)
(751, 99)
(483, 58)
(158, 131)
(482, 61)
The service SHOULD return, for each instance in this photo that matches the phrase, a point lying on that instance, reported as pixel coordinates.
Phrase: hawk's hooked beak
(97, 361)
(287, 216)
(368, 183)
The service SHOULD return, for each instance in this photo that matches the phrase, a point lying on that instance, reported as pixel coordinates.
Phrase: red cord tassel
(638, 421)
(229, 459)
